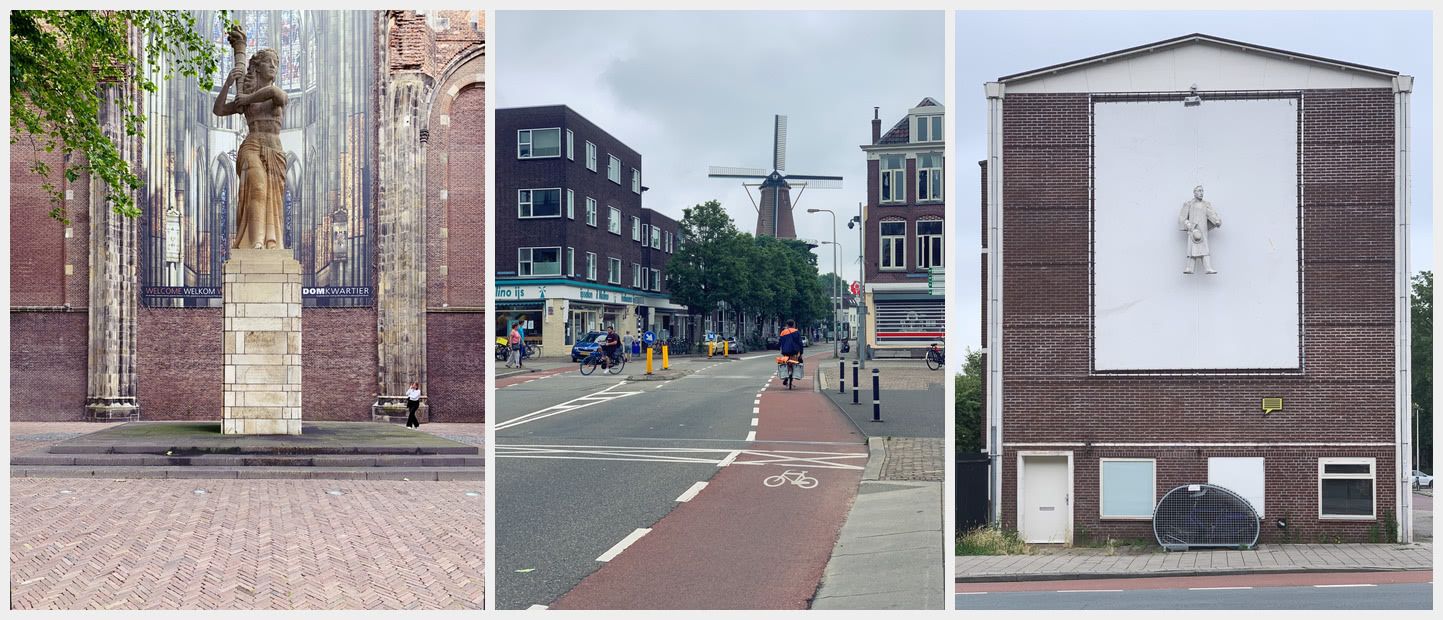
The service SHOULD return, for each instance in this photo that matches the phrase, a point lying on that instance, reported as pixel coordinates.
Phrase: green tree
(709, 267)
(59, 61)
(967, 422)
(1422, 311)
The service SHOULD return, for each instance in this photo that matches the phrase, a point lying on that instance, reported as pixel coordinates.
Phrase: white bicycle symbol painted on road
(797, 477)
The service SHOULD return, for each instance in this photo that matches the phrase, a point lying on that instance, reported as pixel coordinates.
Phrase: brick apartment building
(905, 231)
(115, 317)
(1113, 376)
(575, 250)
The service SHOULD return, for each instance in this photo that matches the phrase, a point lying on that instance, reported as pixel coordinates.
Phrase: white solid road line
(1347, 585)
(1075, 591)
(727, 460)
(536, 608)
(752, 436)
(617, 548)
(580, 402)
(1225, 588)
(691, 492)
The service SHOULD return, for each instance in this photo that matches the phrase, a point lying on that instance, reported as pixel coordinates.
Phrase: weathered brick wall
(338, 372)
(456, 366)
(462, 175)
(1345, 393)
(39, 249)
(179, 363)
(412, 45)
(47, 366)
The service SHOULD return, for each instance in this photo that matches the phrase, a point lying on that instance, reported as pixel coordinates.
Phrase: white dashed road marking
(616, 549)
(691, 492)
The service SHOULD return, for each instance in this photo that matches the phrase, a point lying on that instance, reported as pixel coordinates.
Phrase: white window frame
(1372, 475)
(635, 228)
(570, 145)
(1102, 483)
(570, 262)
(883, 253)
(656, 280)
(613, 220)
(895, 177)
(934, 187)
(666, 236)
(613, 169)
(591, 211)
(613, 270)
(655, 237)
(635, 181)
(528, 253)
(570, 204)
(925, 249)
(590, 156)
(529, 141)
(645, 234)
(636, 276)
(530, 202)
(591, 266)
(930, 124)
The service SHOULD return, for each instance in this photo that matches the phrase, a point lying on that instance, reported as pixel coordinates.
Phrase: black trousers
(412, 406)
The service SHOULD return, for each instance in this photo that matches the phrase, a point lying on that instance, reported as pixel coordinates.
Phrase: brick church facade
(104, 325)
(1093, 417)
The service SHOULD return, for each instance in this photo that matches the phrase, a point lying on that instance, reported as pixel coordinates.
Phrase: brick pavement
(913, 458)
(1061, 563)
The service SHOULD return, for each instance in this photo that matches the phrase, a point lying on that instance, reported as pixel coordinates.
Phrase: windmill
(774, 213)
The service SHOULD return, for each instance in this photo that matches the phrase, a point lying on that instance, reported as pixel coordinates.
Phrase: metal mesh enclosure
(1204, 515)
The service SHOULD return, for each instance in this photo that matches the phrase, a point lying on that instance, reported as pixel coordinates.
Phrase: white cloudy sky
(994, 44)
(691, 89)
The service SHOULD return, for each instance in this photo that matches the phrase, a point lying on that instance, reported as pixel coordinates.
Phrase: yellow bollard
(710, 348)
(726, 348)
(665, 361)
(648, 360)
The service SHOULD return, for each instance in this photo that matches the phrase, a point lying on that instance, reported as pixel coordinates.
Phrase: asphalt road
(585, 464)
(1401, 590)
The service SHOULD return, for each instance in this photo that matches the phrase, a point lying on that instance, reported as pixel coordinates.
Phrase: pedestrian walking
(413, 402)
(521, 344)
(627, 340)
(514, 357)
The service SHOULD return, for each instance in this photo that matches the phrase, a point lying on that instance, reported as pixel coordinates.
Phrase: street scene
(1210, 384)
(669, 428)
(247, 310)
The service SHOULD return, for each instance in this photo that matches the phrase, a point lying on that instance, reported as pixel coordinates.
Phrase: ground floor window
(1346, 488)
(1129, 488)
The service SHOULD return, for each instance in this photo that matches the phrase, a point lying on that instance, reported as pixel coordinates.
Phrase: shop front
(564, 311)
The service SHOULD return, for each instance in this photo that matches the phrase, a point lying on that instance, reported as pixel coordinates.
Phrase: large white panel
(1244, 475)
(1148, 156)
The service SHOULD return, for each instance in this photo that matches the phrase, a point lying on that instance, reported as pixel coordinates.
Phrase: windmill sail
(779, 144)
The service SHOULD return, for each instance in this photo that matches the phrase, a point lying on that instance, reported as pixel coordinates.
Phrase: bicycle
(597, 358)
(799, 478)
(787, 370)
(934, 357)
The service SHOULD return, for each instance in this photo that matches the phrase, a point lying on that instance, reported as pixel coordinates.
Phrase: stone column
(111, 381)
(406, 88)
(262, 343)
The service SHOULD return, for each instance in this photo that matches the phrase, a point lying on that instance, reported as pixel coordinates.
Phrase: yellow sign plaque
(1272, 404)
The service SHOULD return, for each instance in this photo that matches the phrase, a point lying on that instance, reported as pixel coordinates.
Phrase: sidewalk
(911, 397)
(1093, 563)
(887, 556)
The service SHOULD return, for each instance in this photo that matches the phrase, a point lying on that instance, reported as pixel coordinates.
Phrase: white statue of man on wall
(1196, 219)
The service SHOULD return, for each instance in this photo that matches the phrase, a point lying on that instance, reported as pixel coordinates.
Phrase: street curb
(1182, 573)
(512, 372)
(877, 454)
(662, 375)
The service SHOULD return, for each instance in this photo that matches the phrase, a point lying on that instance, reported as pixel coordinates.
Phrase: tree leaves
(67, 67)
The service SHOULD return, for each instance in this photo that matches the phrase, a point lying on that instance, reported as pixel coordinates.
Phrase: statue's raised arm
(260, 160)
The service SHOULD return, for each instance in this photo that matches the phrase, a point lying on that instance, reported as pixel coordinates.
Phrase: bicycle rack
(1204, 515)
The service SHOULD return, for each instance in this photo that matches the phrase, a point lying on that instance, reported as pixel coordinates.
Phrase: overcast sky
(994, 44)
(690, 90)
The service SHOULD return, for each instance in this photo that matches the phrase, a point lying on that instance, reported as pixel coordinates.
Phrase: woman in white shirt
(413, 402)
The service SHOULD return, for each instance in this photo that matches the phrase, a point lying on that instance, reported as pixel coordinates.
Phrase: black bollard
(856, 395)
(841, 376)
(876, 396)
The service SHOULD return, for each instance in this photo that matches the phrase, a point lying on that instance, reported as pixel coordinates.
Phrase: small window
(636, 276)
(929, 177)
(570, 145)
(613, 270)
(893, 236)
(571, 262)
(534, 203)
(1346, 488)
(591, 156)
(570, 205)
(655, 238)
(613, 169)
(537, 143)
(538, 261)
(1129, 488)
(666, 243)
(613, 221)
(591, 211)
(591, 266)
(645, 234)
(635, 228)
(893, 180)
(929, 128)
(635, 180)
(656, 280)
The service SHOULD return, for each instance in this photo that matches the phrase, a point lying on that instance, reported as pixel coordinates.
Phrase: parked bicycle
(935, 357)
(503, 350)
(596, 359)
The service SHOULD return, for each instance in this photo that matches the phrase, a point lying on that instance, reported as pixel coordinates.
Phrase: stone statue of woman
(260, 162)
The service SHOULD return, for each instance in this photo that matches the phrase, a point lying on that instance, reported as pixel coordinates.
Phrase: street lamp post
(836, 268)
(862, 280)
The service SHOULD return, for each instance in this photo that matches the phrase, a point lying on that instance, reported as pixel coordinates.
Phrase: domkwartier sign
(320, 157)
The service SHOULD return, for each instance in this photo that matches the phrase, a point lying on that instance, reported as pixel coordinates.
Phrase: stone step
(259, 450)
(246, 460)
(414, 474)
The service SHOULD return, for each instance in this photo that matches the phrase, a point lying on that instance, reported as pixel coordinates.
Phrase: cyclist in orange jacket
(789, 343)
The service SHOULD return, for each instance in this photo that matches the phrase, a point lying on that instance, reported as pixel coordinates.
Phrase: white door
(1046, 499)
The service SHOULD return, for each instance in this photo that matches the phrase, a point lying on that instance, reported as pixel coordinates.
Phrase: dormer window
(928, 128)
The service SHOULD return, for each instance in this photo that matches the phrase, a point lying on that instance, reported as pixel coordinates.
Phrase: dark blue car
(585, 345)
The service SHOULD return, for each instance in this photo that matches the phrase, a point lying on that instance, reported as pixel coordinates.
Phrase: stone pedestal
(262, 343)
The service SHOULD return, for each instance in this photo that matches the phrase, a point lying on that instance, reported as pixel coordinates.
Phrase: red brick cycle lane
(740, 543)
